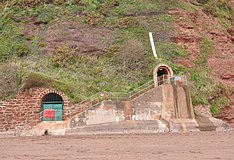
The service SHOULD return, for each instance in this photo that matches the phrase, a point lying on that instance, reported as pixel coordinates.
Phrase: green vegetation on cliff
(126, 62)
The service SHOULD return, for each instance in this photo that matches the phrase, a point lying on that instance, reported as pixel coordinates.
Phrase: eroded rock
(86, 39)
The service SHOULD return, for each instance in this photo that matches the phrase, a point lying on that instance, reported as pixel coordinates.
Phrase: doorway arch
(162, 74)
(52, 107)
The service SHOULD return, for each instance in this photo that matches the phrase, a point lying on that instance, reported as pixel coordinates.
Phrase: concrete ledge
(124, 127)
(50, 128)
(183, 125)
(7, 134)
(130, 127)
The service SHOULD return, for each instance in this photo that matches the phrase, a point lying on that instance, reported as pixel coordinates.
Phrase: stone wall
(25, 109)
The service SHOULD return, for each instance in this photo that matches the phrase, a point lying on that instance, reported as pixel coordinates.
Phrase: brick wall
(24, 110)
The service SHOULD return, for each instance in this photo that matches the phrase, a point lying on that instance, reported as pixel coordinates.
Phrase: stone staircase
(33, 125)
(121, 127)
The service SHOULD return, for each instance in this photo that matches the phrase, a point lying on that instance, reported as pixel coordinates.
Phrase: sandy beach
(181, 146)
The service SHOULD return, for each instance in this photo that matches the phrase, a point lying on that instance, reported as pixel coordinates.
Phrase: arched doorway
(52, 107)
(162, 74)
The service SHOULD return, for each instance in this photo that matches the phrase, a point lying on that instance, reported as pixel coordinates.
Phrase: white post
(152, 45)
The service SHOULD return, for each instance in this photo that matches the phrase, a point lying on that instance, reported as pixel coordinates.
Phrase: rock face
(206, 122)
(227, 114)
(191, 29)
(202, 111)
(86, 39)
(223, 69)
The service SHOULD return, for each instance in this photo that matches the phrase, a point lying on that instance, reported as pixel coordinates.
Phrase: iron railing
(96, 99)
(91, 102)
(164, 79)
(80, 108)
(115, 96)
(176, 80)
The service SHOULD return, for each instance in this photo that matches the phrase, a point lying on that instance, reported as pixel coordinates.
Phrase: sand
(181, 146)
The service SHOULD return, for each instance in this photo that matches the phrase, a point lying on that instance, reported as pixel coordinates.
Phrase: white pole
(152, 45)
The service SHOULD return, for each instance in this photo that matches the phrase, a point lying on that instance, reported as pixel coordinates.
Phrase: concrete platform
(50, 128)
(128, 127)
(124, 127)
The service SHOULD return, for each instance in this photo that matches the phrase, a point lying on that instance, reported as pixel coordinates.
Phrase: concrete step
(183, 125)
(154, 126)
(123, 127)
(129, 127)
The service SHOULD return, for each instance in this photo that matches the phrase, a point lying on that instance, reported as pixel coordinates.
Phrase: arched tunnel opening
(163, 75)
(162, 71)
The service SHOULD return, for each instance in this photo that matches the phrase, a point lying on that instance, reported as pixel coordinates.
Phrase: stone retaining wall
(25, 109)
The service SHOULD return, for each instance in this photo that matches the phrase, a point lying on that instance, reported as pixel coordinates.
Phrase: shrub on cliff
(10, 80)
(63, 56)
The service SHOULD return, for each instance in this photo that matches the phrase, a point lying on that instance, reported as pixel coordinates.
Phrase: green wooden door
(52, 111)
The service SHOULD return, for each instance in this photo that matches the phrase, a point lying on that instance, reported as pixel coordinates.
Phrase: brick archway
(24, 110)
(42, 92)
(160, 70)
(52, 107)
(45, 91)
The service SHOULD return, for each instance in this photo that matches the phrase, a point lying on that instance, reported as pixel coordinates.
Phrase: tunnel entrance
(162, 71)
(52, 107)
(162, 74)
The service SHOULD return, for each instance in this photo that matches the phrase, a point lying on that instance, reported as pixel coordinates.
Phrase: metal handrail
(176, 80)
(31, 121)
(93, 100)
(97, 99)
